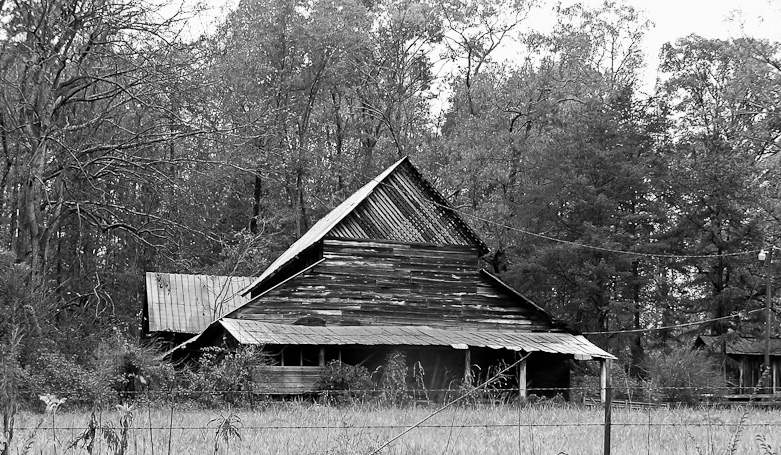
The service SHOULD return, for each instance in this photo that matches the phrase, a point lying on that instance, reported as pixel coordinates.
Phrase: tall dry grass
(304, 428)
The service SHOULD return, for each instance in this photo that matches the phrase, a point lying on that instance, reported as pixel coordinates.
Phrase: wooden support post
(607, 398)
(468, 367)
(522, 379)
(322, 357)
(741, 368)
(301, 357)
(282, 357)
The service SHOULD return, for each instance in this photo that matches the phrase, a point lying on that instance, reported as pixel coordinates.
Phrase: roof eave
(509, 288)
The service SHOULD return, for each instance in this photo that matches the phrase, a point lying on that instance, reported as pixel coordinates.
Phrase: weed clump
(341, 383)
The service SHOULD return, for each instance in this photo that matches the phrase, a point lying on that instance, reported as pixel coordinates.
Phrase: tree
(561, 145)
(724, 130)
(336, 93)
(84, 111)
(20, 326)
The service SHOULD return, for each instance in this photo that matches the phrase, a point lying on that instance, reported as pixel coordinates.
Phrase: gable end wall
(363, 282)
(402, 208)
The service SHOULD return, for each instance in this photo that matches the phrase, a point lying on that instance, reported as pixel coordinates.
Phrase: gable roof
(253, 332)
(182, 303)
(406, 208)
(739, 345)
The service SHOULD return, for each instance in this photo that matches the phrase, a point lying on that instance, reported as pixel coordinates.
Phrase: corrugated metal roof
(189, 303)
(406, 208)
(742, 345)
(252, 332)
(388, 217)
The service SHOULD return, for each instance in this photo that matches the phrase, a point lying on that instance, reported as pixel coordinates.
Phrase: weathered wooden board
(285, 379)
(393, 283)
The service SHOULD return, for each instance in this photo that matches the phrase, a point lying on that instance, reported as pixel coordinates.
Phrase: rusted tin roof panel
(260, 333)
(741, 345)
(182, 303)
(405, 208)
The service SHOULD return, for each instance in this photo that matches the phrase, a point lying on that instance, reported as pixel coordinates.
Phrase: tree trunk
(256, 196)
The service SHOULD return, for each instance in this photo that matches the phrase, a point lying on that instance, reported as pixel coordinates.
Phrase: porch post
(468, 367)
(605, 381)
(741, 367)
(322, 357)
(522, 378)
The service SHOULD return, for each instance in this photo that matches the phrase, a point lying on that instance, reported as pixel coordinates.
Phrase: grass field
(304, 428)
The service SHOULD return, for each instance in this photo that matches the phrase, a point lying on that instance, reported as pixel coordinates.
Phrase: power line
(687, 324)
(608, 250)
(554, 239)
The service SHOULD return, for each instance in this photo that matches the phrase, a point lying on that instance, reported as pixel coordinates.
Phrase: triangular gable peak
(397, 205)
(404, 207)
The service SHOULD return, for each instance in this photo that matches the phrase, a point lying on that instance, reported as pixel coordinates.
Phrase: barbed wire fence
(463, 421)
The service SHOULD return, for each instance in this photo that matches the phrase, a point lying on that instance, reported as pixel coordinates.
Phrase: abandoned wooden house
(742, 361)
(394, 268)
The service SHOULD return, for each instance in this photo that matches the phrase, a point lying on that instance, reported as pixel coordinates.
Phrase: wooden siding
(392, 283)
(285, 380)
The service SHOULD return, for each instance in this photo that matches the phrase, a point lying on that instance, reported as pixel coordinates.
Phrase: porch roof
(252, 332)
(741, 345)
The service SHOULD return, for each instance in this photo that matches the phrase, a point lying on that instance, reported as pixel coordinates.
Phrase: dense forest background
(129, 146)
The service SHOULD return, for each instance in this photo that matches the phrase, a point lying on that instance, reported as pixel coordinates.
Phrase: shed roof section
(398, 205)
(740, 345)
(189, 303)
(252, 332)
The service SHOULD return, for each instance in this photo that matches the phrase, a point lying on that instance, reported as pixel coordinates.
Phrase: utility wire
(451, 403)
(687, 324)
(745, 310)
(456, 211)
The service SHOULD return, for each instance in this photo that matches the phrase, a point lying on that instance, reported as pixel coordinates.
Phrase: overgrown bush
(393, 382)
(343, 383)
(52, 372)
(681, 375)
(220, 375)
(132, 369)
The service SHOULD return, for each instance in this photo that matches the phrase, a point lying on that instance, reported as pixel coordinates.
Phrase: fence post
(607, 399)
(251, 394)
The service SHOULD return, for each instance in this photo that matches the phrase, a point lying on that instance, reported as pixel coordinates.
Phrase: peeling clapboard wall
(361, 282)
